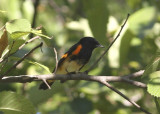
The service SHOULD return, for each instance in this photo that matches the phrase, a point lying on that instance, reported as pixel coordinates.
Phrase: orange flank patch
(79, 47)
(65, 55)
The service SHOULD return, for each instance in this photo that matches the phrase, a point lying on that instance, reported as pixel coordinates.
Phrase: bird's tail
(44, 86)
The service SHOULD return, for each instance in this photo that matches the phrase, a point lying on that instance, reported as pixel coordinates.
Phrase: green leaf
(142, 19)
(39, 65)
(16, 45)
(13, 103)
(118, 53)
(125, 46)
(157, 101)
(97, 15)
(16, 25)
(154, 65)
(18, 34)
(39, 33)
(153, 87)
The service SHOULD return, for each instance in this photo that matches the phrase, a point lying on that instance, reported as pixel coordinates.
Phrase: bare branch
(80, 76)
(125, 97)
(56, 60)
(134, 75)
(49, 87)
(30, 40)
(96, 62)
(36, 3)
(18, 62)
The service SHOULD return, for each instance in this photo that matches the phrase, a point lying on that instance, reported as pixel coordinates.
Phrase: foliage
(67, 21)
(12, 103)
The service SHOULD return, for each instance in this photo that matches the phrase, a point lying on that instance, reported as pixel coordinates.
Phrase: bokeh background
(66, 21)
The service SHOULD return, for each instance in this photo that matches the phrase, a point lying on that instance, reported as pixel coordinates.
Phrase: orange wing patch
(65, 55)
(79, 47)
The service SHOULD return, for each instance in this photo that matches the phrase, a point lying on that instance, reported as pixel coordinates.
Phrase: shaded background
(68, 21)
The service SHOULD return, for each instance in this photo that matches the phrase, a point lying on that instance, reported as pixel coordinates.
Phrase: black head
(90, 42)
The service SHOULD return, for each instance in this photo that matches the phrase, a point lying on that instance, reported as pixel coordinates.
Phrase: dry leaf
(3, 42)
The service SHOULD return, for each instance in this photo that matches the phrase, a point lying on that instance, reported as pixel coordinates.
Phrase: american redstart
(75, 58)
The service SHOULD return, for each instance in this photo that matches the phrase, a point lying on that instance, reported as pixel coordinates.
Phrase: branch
(81, 76)
(36, 3)
(96, 62)
(56, 61)
(18, 62)
(134, 75)
(125, 97)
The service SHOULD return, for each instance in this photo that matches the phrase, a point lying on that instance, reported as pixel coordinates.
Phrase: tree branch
(125, 97)
(79, 76)
(134, 75)
(82, 76)
(36, 3)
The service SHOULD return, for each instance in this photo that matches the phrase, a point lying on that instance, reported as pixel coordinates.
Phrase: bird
(75, 58)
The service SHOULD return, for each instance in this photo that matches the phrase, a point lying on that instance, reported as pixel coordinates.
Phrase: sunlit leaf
(153, 87)
(125, 46)
(13, 103)
(39, 33)
(142, 19)
(118, 53)
(39, 64)
(3, 42)
(16, 45)
(18, 34)
(18, 25)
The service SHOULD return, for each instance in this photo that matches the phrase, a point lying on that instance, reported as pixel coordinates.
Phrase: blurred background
(66, 21)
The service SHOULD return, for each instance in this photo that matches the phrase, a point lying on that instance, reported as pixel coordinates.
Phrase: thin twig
(2, 27)
(36, 3)
(134, 75)
(44, 80)
(56, 60)
(18, 62)
(135, 83)
(81, 76)
(125, 97)
(49, 87)
(96, 62)
(30, 40)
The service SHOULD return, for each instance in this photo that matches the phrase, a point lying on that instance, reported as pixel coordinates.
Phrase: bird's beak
(101, 46)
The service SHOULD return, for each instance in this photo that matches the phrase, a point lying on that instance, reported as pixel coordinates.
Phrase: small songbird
(75, 58)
